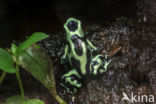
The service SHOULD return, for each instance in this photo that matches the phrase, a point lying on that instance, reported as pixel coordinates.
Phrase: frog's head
(73, 27)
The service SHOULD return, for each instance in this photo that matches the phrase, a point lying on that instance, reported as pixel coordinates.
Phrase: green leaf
(35, 61)
(13, 48)
(16, 99)
(6, 62)
(34, 101)
(35, 37)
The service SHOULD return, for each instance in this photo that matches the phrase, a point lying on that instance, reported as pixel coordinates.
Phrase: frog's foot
(99, 64)
(106, 63)
(69, 90)
(72, 78)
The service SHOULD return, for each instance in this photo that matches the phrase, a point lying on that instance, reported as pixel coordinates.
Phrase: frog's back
(80, 56)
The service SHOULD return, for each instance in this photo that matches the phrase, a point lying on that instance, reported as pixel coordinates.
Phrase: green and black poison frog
(79, 50)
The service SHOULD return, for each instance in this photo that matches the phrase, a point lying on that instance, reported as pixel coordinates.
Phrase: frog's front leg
(72, 78)
(91, 46)
(65, 54)
(99, 64)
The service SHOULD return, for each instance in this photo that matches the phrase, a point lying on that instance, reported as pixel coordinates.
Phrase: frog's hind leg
(72, 78)
(99, 64)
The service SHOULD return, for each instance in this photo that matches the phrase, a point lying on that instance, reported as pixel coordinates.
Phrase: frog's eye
(72, 25)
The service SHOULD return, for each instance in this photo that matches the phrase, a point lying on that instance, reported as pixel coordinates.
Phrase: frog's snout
(72, 25)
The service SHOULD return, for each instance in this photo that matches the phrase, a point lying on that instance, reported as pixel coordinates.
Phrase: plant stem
(2, 77)
(56, 96)
(60, 100)
(19, 78)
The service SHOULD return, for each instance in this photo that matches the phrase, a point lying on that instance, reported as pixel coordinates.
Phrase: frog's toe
(72, 80)
(71, 84)
(78, 84)
(69, 89)
(100, 64)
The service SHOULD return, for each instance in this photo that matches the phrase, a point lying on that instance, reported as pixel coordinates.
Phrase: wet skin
(79, 50)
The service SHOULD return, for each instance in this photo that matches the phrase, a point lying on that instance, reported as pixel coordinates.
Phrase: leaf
(6, 62)
(34, 101)
(16, 99)
(13, 48)
(35, 37)
(35, 61)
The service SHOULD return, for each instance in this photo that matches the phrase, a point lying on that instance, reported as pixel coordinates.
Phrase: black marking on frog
(77, 44)
(76, 64)
(72, 26)
(88, 62)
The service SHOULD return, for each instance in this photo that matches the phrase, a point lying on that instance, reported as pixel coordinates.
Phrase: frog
(79, 52)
